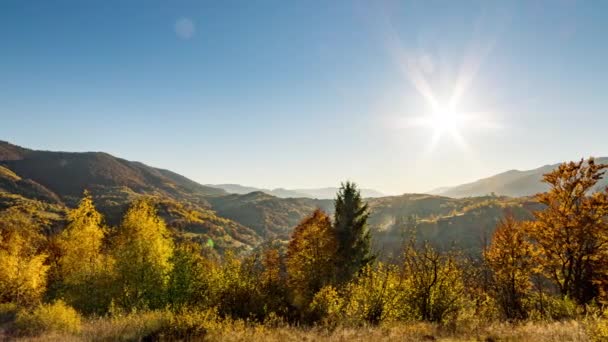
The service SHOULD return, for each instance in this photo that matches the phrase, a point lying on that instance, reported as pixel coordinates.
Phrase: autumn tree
(83, 270)
(142, 249)
(433, 280)
(23, 269)
(571, 233)
(189, 283)
(377, 294)
(354, 239)
(510, 256)
(310, 257)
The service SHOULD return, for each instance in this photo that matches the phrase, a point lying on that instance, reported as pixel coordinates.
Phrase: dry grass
(128, 329)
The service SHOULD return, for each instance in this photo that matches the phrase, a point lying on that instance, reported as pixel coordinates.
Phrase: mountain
(271, 217)
(68, 174)
(31, 179)
(242, 190)
(46, 184)
(513, 183)
(320, 193)
(330, 193)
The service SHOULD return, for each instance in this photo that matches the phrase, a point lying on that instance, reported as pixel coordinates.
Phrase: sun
(445, 120)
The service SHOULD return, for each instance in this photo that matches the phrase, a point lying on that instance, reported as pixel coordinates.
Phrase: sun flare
(445, 120)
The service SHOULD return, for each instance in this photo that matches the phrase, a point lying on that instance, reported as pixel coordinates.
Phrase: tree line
(327, 272)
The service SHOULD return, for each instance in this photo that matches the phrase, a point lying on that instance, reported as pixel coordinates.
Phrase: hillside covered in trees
(30, 178)
(126, 251)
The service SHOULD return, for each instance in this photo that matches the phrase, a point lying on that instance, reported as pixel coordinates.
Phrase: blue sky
(308, 93)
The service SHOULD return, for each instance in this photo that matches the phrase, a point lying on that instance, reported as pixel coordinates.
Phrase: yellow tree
(571, 233)
(83, 270)
(510, 256)
(310, 257)
(189, 283)
(23, 272)
(433, 280)
(142, 250)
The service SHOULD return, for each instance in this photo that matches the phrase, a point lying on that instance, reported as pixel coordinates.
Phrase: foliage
(571, 234)
(435, 281)
(377, 295)
(311, 254)
(511, 258)
(326, 306)
(56, 317)
(142, 249)
(23, 268)
(189, 278)
(83, 269)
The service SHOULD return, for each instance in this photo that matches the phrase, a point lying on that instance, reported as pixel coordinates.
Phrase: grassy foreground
(152, 326)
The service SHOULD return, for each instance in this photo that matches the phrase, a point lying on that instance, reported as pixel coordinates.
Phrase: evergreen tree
(354, 239)
(143, 251)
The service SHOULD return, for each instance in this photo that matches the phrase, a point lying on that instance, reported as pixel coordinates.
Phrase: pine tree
(354, 239)
(143, 251)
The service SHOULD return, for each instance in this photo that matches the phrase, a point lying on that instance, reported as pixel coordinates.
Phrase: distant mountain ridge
(513, 183)
(47, 184)
(315, 193)
(70, 173)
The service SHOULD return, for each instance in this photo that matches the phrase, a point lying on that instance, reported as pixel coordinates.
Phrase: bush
(554, 308)
(8, 311)
(192, 324)
(56, 317)
(155, 325)
(326, 306)
(130, 327)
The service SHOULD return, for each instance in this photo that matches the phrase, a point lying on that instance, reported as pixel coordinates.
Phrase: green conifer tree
(354, 239)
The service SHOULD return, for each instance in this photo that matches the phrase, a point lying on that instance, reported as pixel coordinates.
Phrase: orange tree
(510, 256)
(571, 232)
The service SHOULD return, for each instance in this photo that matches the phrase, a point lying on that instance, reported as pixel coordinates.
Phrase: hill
(269, 216)
(513, 183)
(314, 193)
(34, 180)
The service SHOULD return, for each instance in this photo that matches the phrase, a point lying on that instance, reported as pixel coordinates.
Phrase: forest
(543, 277)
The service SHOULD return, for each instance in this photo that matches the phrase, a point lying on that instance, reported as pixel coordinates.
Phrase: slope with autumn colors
(54, 181)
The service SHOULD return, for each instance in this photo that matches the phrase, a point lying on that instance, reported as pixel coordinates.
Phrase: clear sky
(309, 93)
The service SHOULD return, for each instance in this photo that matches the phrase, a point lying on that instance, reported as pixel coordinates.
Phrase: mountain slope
(270, 216)
(320, 193)
(34, 179)
(513, 183)
(68, 174)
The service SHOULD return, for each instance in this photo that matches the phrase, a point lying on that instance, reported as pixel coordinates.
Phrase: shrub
(130, 327)
(553, 307)
(597, 328)
(56, 317)
(192, 324)
(8, 311)
(326, 306)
